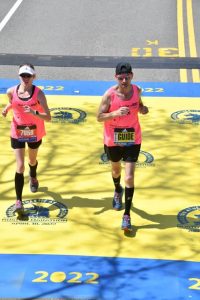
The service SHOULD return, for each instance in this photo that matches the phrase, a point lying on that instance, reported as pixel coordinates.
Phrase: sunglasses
(26, 75)
(126, 77)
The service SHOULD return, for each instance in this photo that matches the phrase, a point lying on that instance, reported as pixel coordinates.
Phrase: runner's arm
(104, 115)
(142, 108)
(9, 105)
(43, 102)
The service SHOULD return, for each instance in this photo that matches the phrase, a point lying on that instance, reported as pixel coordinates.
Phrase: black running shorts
(125, 153)
(15, 144)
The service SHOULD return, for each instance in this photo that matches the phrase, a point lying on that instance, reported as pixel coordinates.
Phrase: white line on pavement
(9, 14)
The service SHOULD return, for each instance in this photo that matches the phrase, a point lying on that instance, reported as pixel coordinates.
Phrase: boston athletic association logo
(39, 212)
(189, 218)
(67, 115)
(187, 116)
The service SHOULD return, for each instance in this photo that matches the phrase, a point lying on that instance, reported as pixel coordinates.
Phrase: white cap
(26, 70)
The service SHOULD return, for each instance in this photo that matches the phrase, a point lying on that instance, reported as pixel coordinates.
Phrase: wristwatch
(36, 112)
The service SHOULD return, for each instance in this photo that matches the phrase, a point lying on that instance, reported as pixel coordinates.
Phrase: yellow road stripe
(191, 34)
(181, 40)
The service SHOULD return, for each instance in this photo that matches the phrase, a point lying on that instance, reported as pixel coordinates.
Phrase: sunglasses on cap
(122, 77)
(26, 75)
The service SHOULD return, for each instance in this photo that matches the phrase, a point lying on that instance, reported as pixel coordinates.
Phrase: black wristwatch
(36, 112)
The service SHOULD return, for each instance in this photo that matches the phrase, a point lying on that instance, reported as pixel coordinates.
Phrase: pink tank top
(26, 127)
(123, 130)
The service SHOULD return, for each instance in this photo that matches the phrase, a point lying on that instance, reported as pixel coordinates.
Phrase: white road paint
(9, 14)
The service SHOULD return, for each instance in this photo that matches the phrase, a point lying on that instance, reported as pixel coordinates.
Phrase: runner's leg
(19, 178)
(32, 154)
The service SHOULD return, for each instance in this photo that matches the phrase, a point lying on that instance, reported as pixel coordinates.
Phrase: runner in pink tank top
(123, 131)
(122, 134)
(30, 110)
(27, 127)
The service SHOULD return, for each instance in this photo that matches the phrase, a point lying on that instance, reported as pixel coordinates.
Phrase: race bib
(124, 136)
(27, 133)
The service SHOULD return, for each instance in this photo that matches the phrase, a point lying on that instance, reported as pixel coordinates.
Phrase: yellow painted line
(192, 42)
(181, 38)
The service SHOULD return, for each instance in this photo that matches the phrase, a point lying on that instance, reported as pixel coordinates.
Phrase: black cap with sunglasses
(123, 68)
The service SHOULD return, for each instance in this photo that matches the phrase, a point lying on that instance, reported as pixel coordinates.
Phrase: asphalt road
(90, 28)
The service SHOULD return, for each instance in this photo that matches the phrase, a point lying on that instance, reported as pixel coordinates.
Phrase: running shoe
(19, 209)
(34, 184)
(126, 223)
(117, 200)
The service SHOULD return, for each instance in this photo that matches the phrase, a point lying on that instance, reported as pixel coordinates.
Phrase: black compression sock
(128, 199)
(33, 170)
(19, 184)
(118, 187)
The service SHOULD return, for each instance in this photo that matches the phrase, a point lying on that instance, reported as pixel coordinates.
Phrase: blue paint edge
(97, 88)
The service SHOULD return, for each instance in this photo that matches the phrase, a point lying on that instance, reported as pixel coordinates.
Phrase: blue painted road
(97, 88)
(118, 278)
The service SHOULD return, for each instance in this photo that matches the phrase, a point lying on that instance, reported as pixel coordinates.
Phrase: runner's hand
(27, 109)
(123, 111)
(4, 112)
(143, 110)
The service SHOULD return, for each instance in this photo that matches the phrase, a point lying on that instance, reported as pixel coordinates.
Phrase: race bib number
(124, 136)
(27, 133)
